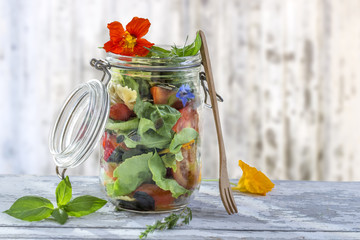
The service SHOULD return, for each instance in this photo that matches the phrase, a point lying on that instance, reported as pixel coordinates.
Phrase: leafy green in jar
(166, 117)
(155, 125)
(158, 171)
(145, 125)
(163, 116)
(122, 126)
(131, 173)
(119, 76)
(149, 139)
(184, 136)
(169, 161)
(144, 86)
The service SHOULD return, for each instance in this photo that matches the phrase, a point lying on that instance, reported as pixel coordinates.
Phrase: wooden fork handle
(210, 81)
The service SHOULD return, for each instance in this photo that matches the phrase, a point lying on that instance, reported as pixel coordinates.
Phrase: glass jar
(150, 149)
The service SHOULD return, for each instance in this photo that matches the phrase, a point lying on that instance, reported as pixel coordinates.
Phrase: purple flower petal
(184, 94)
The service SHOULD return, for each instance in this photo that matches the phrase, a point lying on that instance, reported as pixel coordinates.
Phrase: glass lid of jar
(81, 121)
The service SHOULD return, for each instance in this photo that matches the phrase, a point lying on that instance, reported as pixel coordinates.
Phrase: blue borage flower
(185, 94)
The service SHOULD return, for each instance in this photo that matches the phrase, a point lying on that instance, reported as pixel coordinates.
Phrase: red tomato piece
(165, 96)
(120, 112)
(189, 119)
(109, 144)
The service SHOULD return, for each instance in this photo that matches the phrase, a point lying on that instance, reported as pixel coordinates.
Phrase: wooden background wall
(289, 72)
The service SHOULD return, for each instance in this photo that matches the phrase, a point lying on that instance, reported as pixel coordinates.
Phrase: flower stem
(210, 180)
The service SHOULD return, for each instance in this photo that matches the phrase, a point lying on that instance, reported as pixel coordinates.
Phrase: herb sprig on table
(169, 222)
(34, 208)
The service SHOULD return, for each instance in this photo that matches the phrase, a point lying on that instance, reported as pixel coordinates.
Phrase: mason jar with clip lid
(146, 115)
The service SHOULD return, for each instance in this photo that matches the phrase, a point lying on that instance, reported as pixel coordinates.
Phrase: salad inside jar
(151, 144)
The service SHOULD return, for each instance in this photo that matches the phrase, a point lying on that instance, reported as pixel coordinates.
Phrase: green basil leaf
(31, 208)
(84, 205)
(131, 174)
(60, 216)
(158, 171)
(63, 192)
(184, 136)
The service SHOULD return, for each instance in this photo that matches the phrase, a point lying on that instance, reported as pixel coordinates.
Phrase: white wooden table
(293, 210)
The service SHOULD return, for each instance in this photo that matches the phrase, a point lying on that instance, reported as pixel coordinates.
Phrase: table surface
(293, 210)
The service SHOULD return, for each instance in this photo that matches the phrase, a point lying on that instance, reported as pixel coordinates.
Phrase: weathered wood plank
(294, 209)
(116, 233)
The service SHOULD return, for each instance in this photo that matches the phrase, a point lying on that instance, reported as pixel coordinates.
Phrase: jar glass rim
(167, 47)
(149, 63)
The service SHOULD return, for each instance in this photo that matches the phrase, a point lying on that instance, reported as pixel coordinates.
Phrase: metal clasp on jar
(104, 66)
(206, 90)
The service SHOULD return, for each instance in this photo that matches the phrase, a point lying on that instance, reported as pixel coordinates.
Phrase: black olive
(120, 138)
(144, 201)
(116, 155)
(127, 204)
(159, 123)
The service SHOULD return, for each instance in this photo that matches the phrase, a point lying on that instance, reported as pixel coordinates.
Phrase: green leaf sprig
(169, 222)
(33, 208)
(186, 51)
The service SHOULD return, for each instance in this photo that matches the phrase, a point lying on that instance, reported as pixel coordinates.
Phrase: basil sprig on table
(33, 208)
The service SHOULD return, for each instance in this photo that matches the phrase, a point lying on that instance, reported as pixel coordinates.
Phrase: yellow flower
(188, 145)
(253, 181)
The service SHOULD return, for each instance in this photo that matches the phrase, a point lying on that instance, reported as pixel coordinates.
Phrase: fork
(224, 184)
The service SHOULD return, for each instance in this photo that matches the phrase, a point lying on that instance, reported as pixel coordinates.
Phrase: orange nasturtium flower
(129, 42)
(253, 181)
